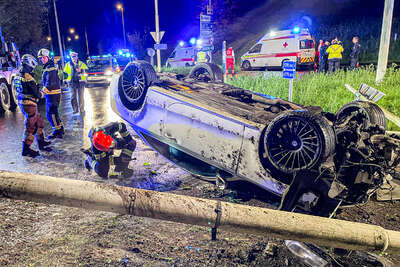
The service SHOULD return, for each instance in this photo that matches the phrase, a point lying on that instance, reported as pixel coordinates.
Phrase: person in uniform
(52, 91)
(230, 61)
(28, 96)
(76, 79)
(334, 55)
(355, 53)
(111, 151)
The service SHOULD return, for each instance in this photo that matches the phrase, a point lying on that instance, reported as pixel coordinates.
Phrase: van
(276, 47)
(182, 56)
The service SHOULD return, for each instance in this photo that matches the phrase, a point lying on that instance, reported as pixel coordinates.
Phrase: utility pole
(385, 40)
(158, 36)
(58, 34)
(87, 43)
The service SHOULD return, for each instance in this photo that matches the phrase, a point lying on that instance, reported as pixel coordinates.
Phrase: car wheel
(206, 72)
(13, 97)
(4, 97)
(134, 82)
(373, 113)
(297, 140)
(246, 65)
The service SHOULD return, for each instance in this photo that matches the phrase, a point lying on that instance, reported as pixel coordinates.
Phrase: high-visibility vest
(68, 70)
(335, 51)
(201, 57)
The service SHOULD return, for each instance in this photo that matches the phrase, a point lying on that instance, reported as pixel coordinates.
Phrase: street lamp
(76, 37)
(48, 38)
(71, 30)
(69, 39)
(120, 7)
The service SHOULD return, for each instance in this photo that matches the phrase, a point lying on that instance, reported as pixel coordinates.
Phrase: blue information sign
(289, 74)
(289, 65)
(160, 46)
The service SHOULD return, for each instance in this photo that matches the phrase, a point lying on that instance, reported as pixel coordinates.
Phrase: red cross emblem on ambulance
(285, 44)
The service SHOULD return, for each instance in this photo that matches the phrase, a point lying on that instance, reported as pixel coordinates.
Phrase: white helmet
(29, 60)
(43, 53)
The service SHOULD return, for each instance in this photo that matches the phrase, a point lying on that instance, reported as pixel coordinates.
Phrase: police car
(101, 68)
(276, 47)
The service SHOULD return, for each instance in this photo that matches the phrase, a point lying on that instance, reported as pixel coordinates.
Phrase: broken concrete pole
(196, 211)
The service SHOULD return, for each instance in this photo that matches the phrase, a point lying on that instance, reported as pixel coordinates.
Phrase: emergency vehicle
(101, 68)
(10, 63)
(276, 47)
(182, 56)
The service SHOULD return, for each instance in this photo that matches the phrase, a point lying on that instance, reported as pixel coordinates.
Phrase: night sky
(179, 18)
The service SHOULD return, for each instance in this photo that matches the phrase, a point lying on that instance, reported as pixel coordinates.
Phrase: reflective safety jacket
(50, 79)
(69, 70)
(201, 57)
(27, 88)
(335, 51)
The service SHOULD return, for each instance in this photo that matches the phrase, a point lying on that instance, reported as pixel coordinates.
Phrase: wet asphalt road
(151, 171)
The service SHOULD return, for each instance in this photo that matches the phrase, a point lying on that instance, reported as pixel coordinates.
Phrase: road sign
(161, 34)
(150, 52)
(160, 46)
(289, 65)
(205, 18)
(289, 74)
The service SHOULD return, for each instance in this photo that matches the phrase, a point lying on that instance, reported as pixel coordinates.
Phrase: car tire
(295, 141)
(134, 83)
(206, 72)
(374, 114)
(246, 65)
(13, 97)
(4, 97)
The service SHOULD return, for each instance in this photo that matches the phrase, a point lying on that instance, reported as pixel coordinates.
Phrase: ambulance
(182, 56)
(276, 47)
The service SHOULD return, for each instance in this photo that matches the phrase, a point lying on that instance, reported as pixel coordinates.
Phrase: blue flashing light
(128, 54)
(120, 52)
(296, 29)
(192, 40)
(181, 43)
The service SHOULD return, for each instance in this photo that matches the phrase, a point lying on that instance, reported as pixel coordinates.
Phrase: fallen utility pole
(385, 40)
(210, 213)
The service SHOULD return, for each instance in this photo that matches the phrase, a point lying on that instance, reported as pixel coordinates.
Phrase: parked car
(276, 47)
(311, 159)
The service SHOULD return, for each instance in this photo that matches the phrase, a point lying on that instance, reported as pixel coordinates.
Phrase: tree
(24, 22)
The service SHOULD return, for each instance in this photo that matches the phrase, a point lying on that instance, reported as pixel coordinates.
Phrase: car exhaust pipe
(189, 210)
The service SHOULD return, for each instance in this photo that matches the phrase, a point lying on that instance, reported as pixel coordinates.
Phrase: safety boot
(28, 152)
(43, 145)
(56, 134)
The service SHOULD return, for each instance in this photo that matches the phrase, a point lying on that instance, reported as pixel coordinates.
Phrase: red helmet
(102, 141)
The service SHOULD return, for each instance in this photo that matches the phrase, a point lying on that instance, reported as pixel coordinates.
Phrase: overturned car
(218, 132)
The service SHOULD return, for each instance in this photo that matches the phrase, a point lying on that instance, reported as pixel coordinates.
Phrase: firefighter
(52, 91)
(76, 71)
(111, 151)
(334, 56)
(28, 96)
(355, 53)
(230, 61)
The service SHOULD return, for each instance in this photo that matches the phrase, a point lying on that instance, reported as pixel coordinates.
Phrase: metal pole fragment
(58, 34)
(157, 35)
(190, 210)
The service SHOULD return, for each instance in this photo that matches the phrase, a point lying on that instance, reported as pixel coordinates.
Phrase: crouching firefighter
(28, 96)
(111, 151)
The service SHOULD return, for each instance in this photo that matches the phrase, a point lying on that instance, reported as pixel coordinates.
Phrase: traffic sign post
(289, 72)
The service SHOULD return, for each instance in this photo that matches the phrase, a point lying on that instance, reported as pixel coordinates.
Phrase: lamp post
(120, 7)
(58, 34)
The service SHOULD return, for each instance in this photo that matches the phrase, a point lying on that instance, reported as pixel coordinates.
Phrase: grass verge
(327, 90)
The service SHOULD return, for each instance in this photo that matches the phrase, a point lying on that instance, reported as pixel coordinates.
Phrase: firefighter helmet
(29, 60)
(102, 141)
(43, 53)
